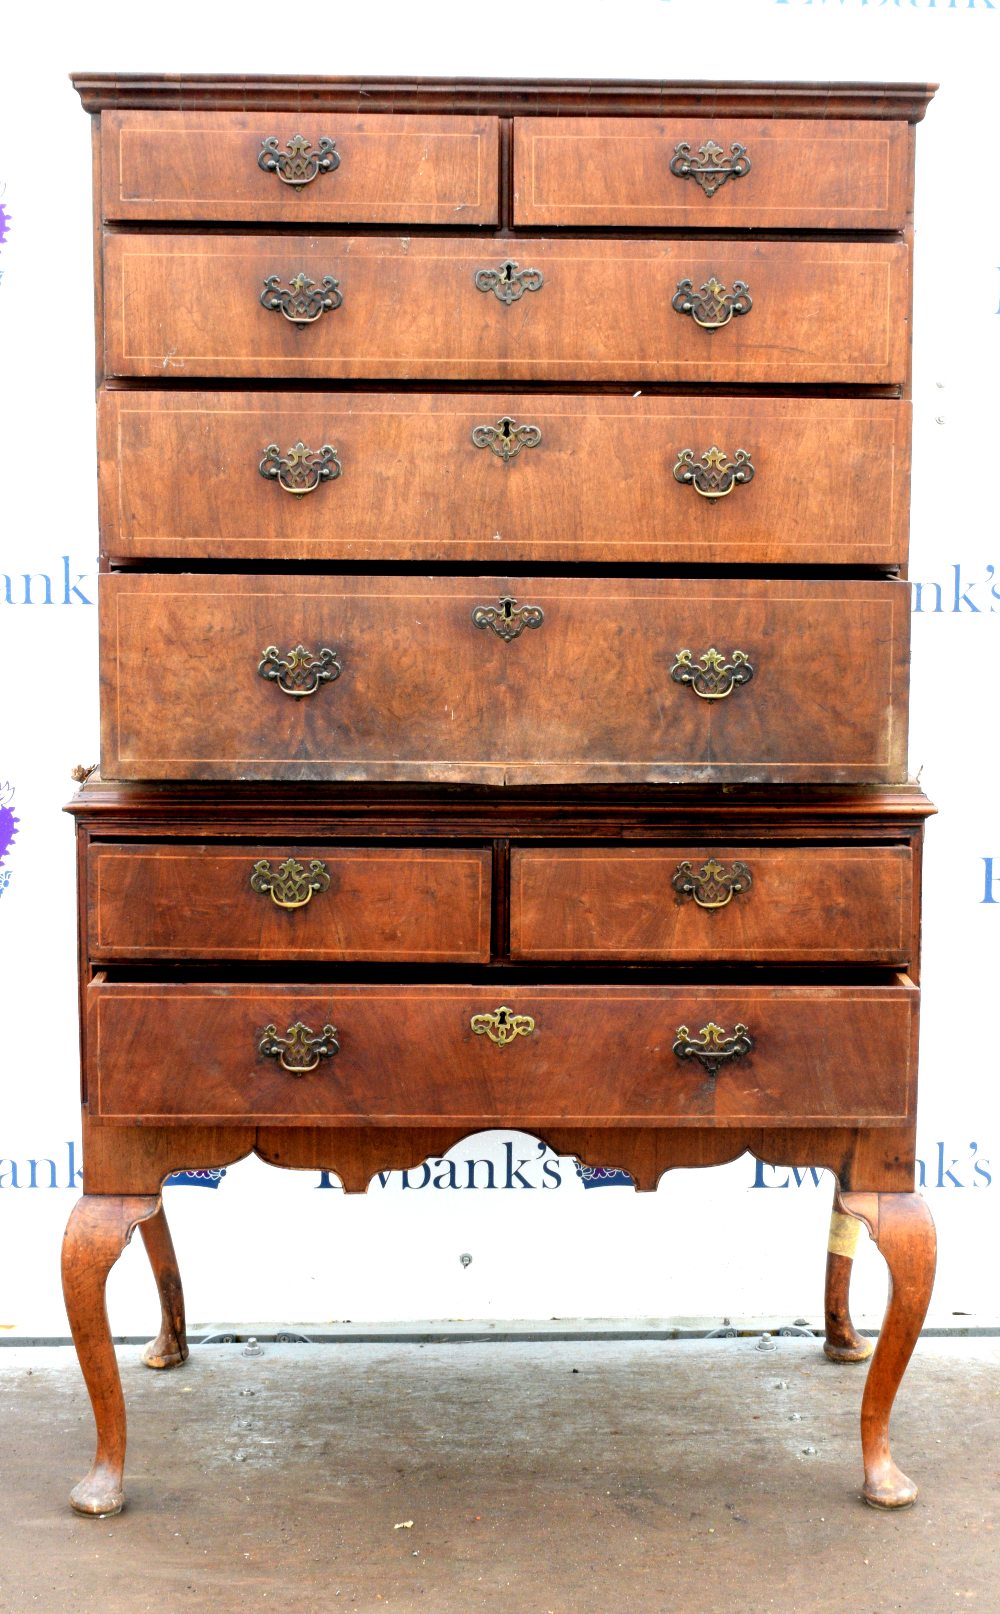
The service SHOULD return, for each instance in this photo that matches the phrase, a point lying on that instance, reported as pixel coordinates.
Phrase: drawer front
(583, 679)
(774, 904)
(191, 305)
(777, 174)
(409, 1055)
(405, 904)
(593, 479)
(250, 166)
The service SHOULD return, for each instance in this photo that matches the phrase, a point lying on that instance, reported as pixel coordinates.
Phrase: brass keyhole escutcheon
(503, 1026)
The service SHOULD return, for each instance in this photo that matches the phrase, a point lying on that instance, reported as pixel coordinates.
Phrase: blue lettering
(758, 1180)
(942, 1173)
(515, 1171)
(74, 1173)
(918, 595)
(71, 588)
(470, 1168)
(446, 1179)
(425, 1168)
(962, 598)
(809, 1171)
(27, 579)
(326, 1179)
(989, 880)
(550, 1168)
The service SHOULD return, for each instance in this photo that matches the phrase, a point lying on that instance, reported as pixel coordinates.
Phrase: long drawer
(307, 476)
(773, 173)
(502, 680)
(766, 904)
(501, 1055)
(292, 168)
(190, 305)
(406, 904)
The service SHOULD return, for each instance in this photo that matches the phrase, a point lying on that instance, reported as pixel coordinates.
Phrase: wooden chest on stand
(504, 648)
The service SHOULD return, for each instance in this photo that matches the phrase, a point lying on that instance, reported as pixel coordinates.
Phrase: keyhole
(507, 604)
(508, 266)
(502, 1015)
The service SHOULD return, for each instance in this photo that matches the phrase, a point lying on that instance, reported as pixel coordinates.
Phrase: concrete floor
(671, 1478)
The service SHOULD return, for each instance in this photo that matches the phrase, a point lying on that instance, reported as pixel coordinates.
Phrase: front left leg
(903, 1229)
(170, 1346)
(99, 1228)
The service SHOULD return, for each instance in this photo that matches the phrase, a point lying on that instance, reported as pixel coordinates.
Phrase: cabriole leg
(903, 1229)
(97, 1233)
(843, 1343)
(170, 1346)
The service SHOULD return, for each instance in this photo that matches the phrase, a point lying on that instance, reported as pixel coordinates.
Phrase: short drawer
(767, 904)
(501, 1055)
(501, 680)
(299, 168)
(426, 307)
(713, 173)
(398, 904)
(307, 476)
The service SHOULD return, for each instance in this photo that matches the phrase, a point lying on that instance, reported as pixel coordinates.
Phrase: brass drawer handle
(502, 1026)
(508, 282)
(713, 306)
(506, 438)
(301, 165)
(302, 469)
(508, 619)
(712, 886)
(305, 1050)
(707, 169)
(712, 1047)
(713, 678)
(300, 672)
(289, 885)
(714, 475)
(301, 301)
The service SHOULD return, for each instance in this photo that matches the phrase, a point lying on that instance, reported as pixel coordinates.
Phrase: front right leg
(99, 1228)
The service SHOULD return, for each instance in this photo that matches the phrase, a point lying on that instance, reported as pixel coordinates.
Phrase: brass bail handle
(711, 167)
(715, 475)
(712, 677)
(299, 673)
(712, 306)
(289, 885)
(300, 1050)
(714, 886)
(302, 301)
(712, 1047)
(300, 470)
(298, 165)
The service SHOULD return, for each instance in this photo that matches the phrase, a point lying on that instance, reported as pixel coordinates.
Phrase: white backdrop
(267, 1245)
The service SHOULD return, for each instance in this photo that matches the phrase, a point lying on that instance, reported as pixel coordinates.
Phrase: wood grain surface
(598, 1055)
(189, 305)
(425, 694)
(411, 904)
(180, 478)
(849, 904)
(616, 171)
(190, 166)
